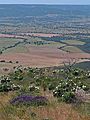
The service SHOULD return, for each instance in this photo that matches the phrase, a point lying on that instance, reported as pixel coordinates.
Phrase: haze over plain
(76, 2)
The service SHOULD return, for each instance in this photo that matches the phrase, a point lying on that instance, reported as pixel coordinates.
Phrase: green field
(5, 42)
(72, 49)
(73, 42)
(18, 49)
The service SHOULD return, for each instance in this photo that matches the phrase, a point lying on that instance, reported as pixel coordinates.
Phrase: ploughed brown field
(42, 56)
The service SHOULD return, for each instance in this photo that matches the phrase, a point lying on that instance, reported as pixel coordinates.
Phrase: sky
(86, 2)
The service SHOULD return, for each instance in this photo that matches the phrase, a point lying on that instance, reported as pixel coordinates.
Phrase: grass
(54, 111)
(47, 43)
(4, 42)
(18, 49)
(72, 49)
(23, 48)
(73, 42)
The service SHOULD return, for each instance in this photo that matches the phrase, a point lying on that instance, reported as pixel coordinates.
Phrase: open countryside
(44, 62)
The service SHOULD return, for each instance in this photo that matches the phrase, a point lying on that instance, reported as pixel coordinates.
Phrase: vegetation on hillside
(30, 88)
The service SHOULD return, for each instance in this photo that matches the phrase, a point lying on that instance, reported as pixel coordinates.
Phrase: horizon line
(41, 4)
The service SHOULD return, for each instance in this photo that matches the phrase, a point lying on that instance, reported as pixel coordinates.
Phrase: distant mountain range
(41, 10)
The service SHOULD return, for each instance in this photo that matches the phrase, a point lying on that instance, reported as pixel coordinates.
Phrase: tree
(0, 52)
(70, 64)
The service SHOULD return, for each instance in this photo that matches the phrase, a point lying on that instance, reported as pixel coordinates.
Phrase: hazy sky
(45, 1)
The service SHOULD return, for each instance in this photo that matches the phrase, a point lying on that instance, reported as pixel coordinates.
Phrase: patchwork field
(37, 52)
(6, 42)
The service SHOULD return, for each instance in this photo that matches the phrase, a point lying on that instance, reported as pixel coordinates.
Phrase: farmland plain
(47, 53)
(44, 62)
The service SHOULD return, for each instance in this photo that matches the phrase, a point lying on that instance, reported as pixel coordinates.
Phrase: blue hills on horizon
(17, 10)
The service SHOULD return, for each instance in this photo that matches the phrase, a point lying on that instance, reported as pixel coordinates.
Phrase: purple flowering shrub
(29, 100)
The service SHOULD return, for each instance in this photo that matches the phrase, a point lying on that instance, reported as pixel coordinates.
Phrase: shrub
(29, 100)
(6, 84)
(17, 62)
(2, 61)
(52, 85)
(10, 62)
(66, 89)
(68, 97)
(1, 52)
(33, 88)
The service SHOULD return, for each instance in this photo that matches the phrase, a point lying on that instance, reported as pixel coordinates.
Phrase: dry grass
(53, 111)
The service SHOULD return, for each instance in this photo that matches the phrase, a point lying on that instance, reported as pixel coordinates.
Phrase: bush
(29, 100)
(66, 89)
(68, 97)
(6, 84)
(52, 86)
